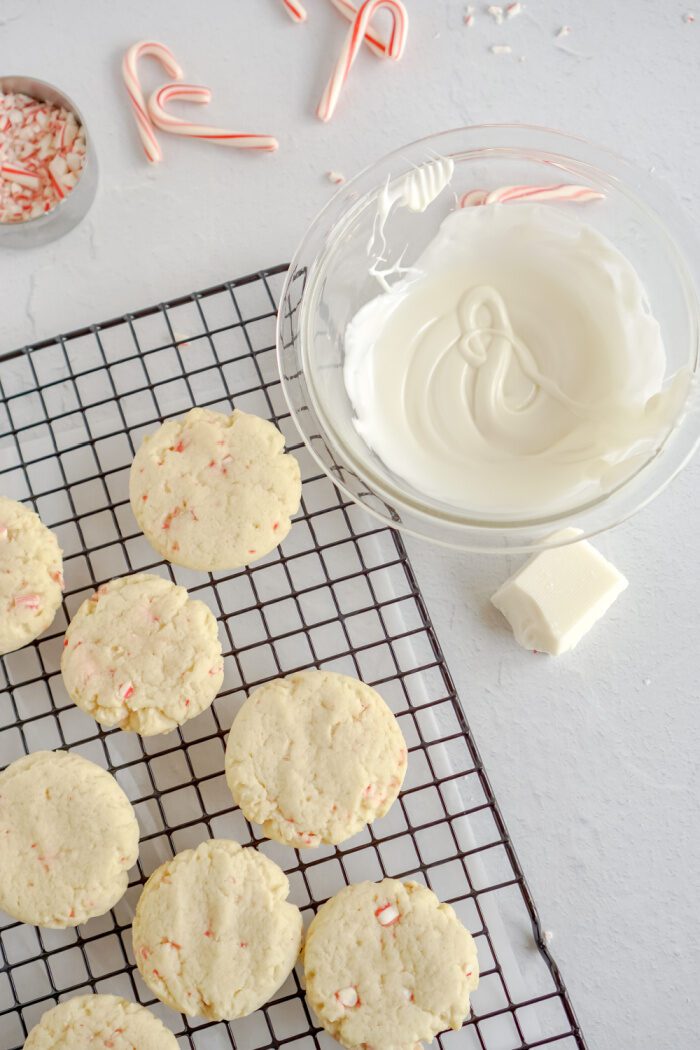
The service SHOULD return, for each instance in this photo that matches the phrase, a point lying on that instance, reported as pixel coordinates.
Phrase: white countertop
(593, 756)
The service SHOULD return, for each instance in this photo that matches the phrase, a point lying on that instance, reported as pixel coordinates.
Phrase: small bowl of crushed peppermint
(48, 170)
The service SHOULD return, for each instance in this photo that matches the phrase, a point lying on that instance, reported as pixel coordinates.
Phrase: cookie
(141, 655)
(89, 1022)
(388, 966)
(214, 935)
(31, 576)
(214, 492)
(69, 836)
(314, 757)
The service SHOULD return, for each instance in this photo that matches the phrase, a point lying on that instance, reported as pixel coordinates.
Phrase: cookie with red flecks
(69, 836)
(140, 654)
(314, 757)
(387, 965)
(90, 1021)
(31, 575)
(214, 492)
(214, 934)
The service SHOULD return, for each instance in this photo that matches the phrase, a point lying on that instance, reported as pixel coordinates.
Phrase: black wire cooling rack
(339, 593)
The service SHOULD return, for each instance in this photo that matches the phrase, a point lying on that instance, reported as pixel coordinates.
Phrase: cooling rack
(340, 593)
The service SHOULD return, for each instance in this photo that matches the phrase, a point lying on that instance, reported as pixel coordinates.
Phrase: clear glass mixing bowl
(329, 281)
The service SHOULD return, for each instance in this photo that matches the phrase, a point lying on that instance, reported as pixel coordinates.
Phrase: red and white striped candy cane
(373, 41)
(196, 93)
(560, 192)
(295, 10)
(22, 176)
(353, 42)
(133, 86)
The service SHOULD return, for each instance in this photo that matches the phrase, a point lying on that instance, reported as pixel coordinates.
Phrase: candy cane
(294, 9)
(197, 93)
(166, 58)
(353, 42)
(374, 42)
(561, 192)
(22, 176)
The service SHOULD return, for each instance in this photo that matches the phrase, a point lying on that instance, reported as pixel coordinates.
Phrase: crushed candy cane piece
(387, 915)
(514, 9)
(335, 177)
(500, 49)
(496, 12)
(27, 601)
(563, 31)
(294, 9)
(348, 997)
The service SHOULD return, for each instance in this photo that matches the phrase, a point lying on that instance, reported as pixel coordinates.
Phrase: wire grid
(340, 593)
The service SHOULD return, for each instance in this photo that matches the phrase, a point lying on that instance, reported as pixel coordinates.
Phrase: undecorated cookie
(141, 655)
(31, 577)
(92, 1022)
(69, 836)
(388, 966)
(314, 757)
(212, 491)
(214, 935)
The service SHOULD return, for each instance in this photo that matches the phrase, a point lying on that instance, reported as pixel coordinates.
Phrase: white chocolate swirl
(517, 371)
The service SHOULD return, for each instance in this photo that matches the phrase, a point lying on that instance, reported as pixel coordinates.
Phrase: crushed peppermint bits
(42, 155)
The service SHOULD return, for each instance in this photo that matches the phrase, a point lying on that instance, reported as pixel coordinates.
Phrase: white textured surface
(593, 756)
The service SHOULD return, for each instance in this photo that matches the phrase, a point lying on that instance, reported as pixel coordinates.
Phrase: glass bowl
(74, 207)
(329, 280)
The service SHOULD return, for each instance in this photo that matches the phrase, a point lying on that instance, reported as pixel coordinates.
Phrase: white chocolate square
(557, 596)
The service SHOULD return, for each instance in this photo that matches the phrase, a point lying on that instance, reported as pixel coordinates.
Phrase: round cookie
(141, 655)
(212, 491)
(214, 935)
(387, 965)
(31, 576)
(69, 836)
(91, 1021)
(314, 757)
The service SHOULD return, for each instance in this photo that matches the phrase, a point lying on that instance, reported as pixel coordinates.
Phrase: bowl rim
(461, 534)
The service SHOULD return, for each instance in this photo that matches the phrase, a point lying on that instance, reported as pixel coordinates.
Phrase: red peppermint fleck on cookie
(180, 447)
(408, 995)
(3, 532)
(57, 577)
(27, 601)
(126, 691)
(348, 997)
(387, 915)
(145, 497)
(167, 521)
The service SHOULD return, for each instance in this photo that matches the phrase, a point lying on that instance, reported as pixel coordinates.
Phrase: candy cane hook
(353, 42)
(133, 86)
(196, 93)
(373, 41)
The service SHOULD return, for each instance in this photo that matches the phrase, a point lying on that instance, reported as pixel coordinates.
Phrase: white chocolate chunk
(558, 595)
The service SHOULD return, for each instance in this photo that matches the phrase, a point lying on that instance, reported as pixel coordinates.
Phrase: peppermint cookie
(31, 577)
(69, 836)
(387, 965)
(91, 1021)
(214, 492)
(314, 757)
(139, 654)
(214, 935)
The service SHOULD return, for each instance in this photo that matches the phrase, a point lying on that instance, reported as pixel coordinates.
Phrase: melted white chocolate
(518, 370)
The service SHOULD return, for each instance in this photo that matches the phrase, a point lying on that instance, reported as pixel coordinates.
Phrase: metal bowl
(75, 206)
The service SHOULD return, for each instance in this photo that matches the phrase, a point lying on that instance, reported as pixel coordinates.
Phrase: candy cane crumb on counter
(501, 49)
(506, 194)
(335, 177)
(177, 126)
(143, 49)
(353, 42)
(295, 10)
